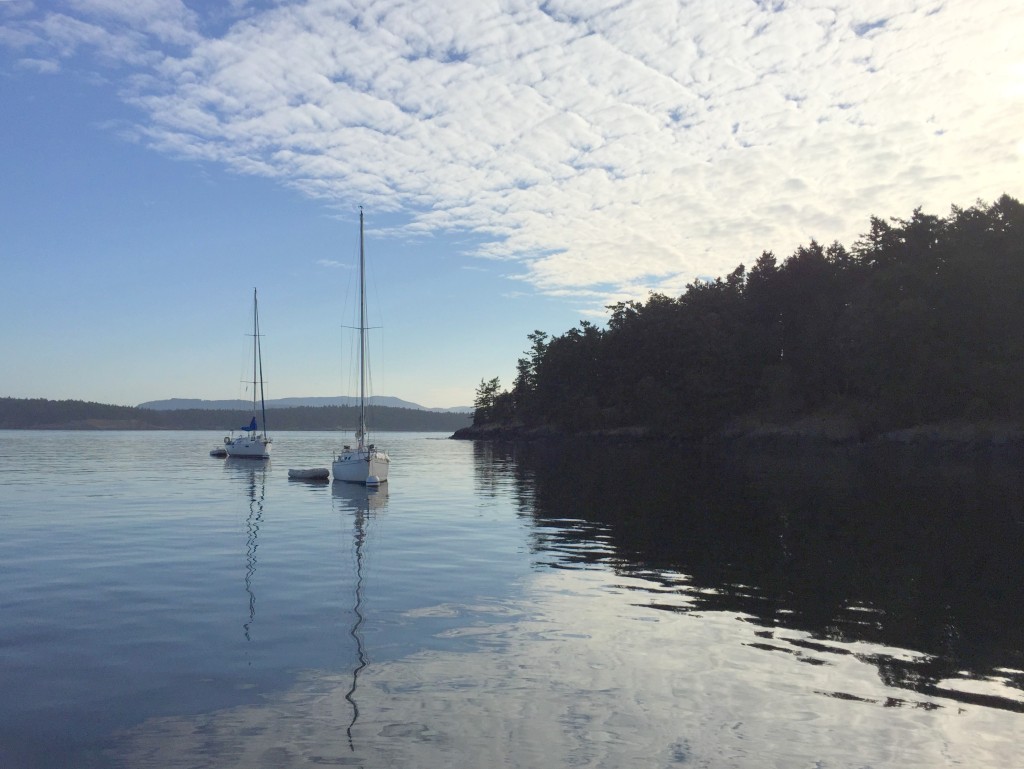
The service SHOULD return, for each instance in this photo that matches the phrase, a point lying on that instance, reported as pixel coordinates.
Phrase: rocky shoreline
(833, 431)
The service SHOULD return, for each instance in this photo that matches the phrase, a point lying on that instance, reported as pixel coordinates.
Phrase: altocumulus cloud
(606, 148)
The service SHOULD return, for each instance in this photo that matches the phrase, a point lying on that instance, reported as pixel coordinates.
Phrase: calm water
(499, 607)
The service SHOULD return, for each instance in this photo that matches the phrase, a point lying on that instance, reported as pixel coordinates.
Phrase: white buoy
(372, 480)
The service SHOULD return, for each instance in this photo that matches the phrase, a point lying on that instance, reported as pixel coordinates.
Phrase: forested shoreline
(921, 322)
(42, 414)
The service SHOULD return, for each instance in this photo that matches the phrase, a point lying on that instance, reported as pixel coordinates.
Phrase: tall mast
(362, 333)
(255, 349)
(259, 356)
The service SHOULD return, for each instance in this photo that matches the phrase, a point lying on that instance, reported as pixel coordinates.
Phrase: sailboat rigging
(365, 463)
(253, 443)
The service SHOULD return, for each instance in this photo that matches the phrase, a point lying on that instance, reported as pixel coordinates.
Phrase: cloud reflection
(590, 677)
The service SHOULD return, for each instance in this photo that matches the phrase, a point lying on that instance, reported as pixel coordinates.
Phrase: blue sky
(521, 164)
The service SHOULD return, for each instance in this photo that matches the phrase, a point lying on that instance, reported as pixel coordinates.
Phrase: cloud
(167, 21)
(45, 66)
(598, 146)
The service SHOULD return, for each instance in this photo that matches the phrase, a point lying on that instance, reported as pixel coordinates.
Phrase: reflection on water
(252, 527)
(359, 501)
(584, 678)
(514, 607)
(898, 548)
(252, 474)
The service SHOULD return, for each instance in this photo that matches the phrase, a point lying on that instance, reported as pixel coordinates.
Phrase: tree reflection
(908, 547)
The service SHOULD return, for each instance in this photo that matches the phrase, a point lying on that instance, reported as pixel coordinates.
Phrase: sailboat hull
(244, 446)
(357, 465)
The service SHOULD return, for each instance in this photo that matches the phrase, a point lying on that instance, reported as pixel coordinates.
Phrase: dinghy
(310, 474)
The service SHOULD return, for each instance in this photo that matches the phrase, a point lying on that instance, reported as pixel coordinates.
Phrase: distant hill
(182, 404)
(41, 414)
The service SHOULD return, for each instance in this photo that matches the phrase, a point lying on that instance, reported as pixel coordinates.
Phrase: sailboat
(252, 443)
(364, 463)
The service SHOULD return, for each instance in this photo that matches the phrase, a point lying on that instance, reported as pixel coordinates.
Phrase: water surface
(521, 606)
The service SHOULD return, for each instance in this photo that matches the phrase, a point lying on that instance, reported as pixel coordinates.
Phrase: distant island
(179, 404)
(918, 330)
(42, 414)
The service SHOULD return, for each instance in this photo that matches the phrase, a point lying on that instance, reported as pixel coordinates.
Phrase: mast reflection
(363, 502)
(256, 490)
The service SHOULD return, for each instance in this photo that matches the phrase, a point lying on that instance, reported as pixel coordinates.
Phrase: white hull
(358, 465)
(244, 446)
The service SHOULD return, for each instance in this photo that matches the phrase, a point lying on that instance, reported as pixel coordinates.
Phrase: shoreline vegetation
(42, 414)
(914, 335)
(808, 431)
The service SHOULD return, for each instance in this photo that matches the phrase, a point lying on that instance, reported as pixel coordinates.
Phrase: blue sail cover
(251, 427)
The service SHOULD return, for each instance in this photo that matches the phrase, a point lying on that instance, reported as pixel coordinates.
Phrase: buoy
(372, 480)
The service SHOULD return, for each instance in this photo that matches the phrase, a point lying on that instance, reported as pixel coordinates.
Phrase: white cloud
(617, 147)
(46, 66)
(168, 21)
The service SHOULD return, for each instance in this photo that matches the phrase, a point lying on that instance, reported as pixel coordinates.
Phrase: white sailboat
(252, 443)
(364, 463)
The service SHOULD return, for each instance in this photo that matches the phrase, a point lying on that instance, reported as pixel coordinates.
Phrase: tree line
(921, 321)
(39, 413)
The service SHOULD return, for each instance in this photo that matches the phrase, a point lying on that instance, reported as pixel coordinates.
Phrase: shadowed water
(527, 606)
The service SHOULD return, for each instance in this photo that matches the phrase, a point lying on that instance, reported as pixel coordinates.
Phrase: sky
(521, 166)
